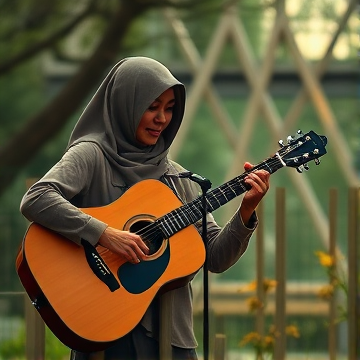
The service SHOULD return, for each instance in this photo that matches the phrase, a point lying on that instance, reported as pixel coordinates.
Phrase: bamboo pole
(219, 347)
(353, 273)
(35, 333)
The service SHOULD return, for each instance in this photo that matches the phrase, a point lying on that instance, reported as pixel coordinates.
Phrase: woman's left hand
(259, 182)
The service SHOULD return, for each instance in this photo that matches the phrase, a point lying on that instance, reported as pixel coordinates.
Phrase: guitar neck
(191, 212)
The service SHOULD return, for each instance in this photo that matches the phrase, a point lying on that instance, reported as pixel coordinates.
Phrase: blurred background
(256, 71)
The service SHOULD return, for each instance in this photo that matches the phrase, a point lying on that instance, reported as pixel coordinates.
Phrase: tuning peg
(281, 143)
(317, 161)
(306, 167)
(300, 133)
(290, 139)
(300, 169)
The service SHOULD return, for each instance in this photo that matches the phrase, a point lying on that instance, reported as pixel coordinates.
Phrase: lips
(153, 132)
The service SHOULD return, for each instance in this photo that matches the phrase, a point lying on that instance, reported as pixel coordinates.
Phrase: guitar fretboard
(191, 212)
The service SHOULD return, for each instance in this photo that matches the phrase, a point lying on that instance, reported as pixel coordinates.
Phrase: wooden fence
(226, 300)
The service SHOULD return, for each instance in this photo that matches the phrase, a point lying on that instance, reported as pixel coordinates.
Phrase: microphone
(203, 182)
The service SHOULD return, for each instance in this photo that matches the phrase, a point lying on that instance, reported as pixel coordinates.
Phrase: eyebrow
(172, 101)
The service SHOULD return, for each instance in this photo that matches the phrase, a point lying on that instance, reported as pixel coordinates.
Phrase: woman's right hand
(124, 243)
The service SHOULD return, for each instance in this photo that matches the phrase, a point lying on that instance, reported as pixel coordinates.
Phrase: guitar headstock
(302, 148)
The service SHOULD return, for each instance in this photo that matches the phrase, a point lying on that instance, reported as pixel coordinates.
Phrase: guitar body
(75, 304)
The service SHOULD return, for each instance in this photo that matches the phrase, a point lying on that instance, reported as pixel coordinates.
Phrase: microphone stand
(205, 185)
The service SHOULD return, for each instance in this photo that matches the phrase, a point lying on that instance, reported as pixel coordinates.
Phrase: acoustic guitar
(88, 296)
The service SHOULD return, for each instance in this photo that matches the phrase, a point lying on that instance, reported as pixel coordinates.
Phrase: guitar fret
(174, 223)
(193, 217)
(242, 187)
(195, 207)
(173, 219)
(228, 195)
(183, 218)
(165, 226)
(233, 193)
(180, 218)
(215, 198)
(209, 204)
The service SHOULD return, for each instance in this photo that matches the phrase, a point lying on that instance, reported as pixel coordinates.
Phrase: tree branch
(42, 127)
(28, 53)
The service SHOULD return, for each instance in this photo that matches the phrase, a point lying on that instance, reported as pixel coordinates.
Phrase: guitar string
(152, 231)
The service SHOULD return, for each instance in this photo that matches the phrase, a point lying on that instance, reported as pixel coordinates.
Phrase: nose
(160, 116)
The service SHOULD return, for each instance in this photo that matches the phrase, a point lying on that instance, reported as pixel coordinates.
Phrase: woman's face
(156, 118)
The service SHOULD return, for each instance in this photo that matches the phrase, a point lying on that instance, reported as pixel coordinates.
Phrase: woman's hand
(124, 243)
(259, 182)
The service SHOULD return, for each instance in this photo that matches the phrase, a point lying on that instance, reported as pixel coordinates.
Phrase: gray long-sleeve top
(83, 178)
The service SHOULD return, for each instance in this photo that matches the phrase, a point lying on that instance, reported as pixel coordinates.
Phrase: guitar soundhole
(151, 236)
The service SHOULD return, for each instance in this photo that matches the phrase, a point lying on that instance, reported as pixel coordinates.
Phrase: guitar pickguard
(137, 278)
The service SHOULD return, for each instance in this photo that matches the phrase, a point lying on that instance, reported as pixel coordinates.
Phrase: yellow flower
(261, 343)
(249, 287)
(254, 303)
(326, 292)
(293, 331)
(269, 342)
(252, 337)
(269, 284)
(326, 260)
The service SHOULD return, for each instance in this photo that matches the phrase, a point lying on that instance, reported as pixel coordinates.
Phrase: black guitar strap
(99, 267)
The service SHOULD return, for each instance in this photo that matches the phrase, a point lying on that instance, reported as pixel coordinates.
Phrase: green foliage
(54, 349)
(26, 22)
(14, 349)
(21, 95)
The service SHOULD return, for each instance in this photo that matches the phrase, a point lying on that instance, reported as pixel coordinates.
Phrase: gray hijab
(114, 113)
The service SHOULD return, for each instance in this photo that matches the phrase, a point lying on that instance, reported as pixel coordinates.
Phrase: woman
(123, 137)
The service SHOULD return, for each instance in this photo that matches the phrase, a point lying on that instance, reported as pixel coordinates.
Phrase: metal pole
(280, 269)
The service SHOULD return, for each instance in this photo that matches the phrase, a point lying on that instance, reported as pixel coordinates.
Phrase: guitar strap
(99, 267)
